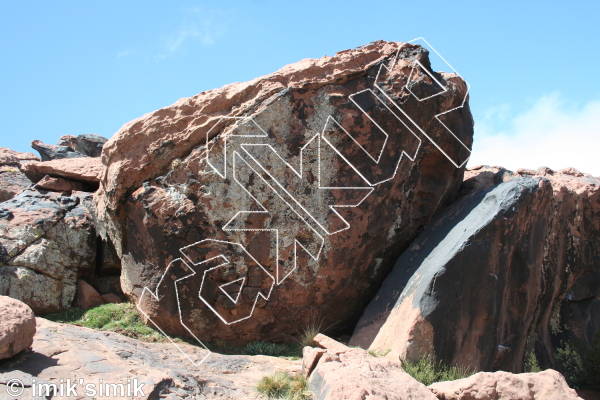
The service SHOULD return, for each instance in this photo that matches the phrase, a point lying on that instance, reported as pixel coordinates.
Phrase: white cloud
(200, 26)
(124, 53)
(554, 132)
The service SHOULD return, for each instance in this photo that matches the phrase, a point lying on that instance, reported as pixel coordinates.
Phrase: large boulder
(47, 242)
(222, 205)
(546, 385)
(497, 275)
(18, 327)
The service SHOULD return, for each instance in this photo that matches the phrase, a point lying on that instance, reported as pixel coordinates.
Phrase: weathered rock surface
(164, 188)
(54, 152)
(345, 373)
(69, 352)
(86, 296)
(18, 327)
(90, 144)
(15, 158)
(12, 182)
(47, 242)
(495, 275)
(546, 385)
(84, 169)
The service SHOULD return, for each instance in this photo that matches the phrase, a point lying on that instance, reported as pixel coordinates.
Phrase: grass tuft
(266, 349)
(427, 371)
(122, 318)
(282, 385)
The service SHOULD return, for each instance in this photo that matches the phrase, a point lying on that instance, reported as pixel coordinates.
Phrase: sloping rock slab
(497, 264)
(12, 157)
(83, 169)
(62, 352)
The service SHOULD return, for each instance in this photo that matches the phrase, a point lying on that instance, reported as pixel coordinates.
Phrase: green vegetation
(531, 363)
(282, 385)
(308, 333)
(581, 364)
(122, 318)
(427, 371)
(379, 353)
(266, 349)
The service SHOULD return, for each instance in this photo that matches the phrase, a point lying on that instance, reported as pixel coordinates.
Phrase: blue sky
(90, 66)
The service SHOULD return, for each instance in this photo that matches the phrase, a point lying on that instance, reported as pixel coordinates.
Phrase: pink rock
(111, 298)
(358, 375)
(546, 385)
(87, 296)
(58, 184)
(17, 328)
(310, 357)
(328, 343)
(8, 156)
(85, 169)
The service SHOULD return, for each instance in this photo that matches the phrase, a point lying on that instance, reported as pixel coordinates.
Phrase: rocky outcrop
(203, 177)
(54, 152)
(47, 242)
(546, 385)
(18, 327)
(58, 184)
(15, 158)
(69, 352)
(496, 276)
(86, 170)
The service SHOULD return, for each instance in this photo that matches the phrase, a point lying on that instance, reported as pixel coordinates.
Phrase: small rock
(328, 343)
(86, 296)
(18, 327)
(58, 184)
(546, 385)
(310, 357)
(111, 298)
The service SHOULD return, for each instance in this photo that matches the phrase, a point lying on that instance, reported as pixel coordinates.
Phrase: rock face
(47, 242)
(58, 184)
(18, 327)
(248, 174)
(70, 352)
(86, 170)
(12, 182)
(339, 372)
(496, 276)
(546, 385)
